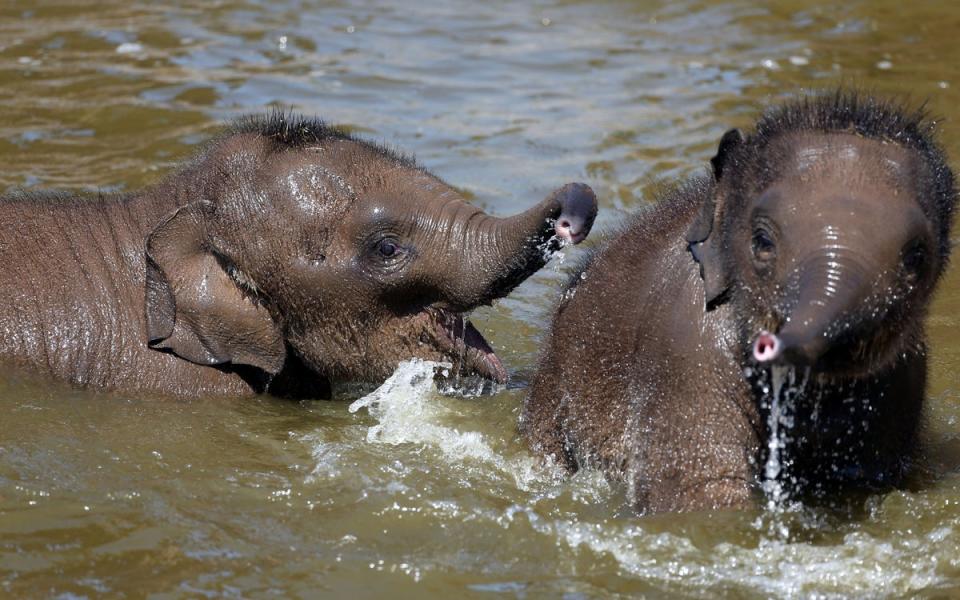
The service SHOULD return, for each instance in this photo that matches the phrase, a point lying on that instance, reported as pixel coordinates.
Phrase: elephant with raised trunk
(286, 255)
(760, 327)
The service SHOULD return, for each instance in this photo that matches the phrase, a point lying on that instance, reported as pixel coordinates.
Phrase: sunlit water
(413, 492)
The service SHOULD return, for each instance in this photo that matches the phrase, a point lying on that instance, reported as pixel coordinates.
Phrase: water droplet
(129, 48)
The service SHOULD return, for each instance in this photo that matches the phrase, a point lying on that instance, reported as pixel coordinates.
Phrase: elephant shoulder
(648, 256)
(657, 230)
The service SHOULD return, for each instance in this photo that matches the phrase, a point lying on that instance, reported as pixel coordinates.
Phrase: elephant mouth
(466, 347)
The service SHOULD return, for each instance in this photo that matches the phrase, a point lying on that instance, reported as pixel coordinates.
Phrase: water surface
(420, 494)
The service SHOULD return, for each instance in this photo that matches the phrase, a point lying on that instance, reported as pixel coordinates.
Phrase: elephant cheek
(355, 353)
(397, 341)
(321, 351)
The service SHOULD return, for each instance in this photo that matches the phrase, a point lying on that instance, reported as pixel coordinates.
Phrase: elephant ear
(732, 139)
(195, 308)
(702, 240)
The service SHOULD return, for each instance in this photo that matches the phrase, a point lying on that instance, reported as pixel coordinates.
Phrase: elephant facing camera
(760, 330)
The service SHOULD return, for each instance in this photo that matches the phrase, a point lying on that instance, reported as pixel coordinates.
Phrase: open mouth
(470, 353)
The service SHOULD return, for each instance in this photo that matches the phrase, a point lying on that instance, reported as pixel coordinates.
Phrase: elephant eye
(914, 257)
(387, 248)
(762, 245)
(386, 253)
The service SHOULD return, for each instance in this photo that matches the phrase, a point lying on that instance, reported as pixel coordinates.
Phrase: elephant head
(298, 242)
(827, 236)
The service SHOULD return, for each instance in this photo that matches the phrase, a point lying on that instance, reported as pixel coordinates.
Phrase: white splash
(473, 386)
(409, 412)
(861, 565)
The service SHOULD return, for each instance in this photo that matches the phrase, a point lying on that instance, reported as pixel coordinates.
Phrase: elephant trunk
(511, 249)
(831, 289)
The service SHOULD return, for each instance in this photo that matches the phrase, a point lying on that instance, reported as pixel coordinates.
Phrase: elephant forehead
(871, 209)
(320, 178)
(833, 158)
(315, 189)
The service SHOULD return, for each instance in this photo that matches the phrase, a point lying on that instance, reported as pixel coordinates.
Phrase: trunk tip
(578, 209)
(767, 347)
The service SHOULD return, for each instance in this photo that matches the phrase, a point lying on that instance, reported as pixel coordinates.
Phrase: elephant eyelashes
(914, 259)
(764, 250)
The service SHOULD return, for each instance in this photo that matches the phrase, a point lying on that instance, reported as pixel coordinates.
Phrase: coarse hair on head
(292, 131)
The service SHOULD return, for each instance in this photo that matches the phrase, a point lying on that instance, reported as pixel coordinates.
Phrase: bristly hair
(292, 130)
(850, 111)
(859, 113)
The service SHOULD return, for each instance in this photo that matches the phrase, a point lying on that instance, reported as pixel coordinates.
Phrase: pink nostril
(569, 230)
(766, 347)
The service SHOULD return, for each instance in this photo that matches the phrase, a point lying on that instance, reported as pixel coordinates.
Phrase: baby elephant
(287, 255)
(761, 327)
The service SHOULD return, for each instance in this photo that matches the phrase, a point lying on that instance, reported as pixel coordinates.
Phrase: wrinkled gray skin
(810, 254)
(286, 256)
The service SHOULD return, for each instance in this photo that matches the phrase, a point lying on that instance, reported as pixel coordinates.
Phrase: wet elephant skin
(286, 255)
(809, 254)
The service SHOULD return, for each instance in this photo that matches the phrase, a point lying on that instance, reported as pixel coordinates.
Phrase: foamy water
(406, 414)
(794, 553)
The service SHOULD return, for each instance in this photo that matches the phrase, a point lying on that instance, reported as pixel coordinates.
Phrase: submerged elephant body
(287, 255)
(784, 293)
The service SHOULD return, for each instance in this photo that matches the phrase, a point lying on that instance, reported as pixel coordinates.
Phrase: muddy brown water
(426, 495)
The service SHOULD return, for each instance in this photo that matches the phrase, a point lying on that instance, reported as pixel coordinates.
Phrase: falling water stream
(777, 423)
(780, 395)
